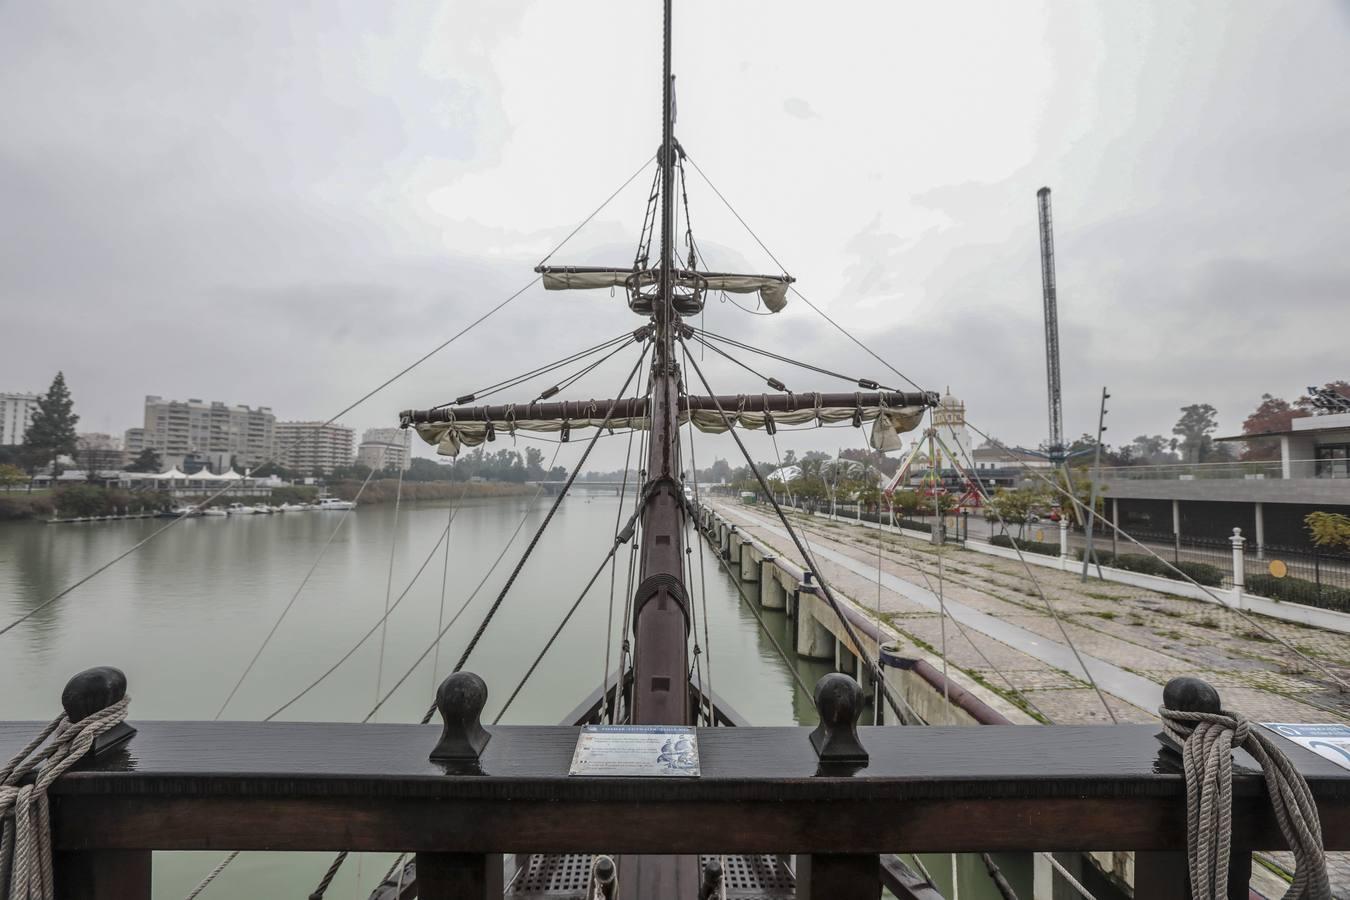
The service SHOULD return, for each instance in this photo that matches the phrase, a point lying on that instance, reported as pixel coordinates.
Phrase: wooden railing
(374, 787)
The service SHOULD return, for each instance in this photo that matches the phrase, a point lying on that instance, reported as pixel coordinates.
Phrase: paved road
(1141, 692)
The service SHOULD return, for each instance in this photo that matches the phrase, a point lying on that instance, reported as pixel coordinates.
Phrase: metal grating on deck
(757, 877)
(555, 876)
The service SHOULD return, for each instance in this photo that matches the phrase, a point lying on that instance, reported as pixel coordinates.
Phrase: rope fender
(24, 811)
(1207, 740)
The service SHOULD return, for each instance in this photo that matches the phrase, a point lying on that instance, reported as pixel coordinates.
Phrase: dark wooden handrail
(293, 786)
(838, 797)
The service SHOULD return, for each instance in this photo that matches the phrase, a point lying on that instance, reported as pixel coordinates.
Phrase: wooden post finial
(1186, 694)
(92, 691)
(839, 701)
(460, 699)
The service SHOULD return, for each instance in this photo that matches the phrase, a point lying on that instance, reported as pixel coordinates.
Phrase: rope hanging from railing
(1207, 740)
(24, 813)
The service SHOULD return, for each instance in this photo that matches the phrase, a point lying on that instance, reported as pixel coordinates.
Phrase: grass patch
(1206, 622)
(1108, 616)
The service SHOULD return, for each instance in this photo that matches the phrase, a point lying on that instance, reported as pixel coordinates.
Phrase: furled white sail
(772, 289)
(449, 437)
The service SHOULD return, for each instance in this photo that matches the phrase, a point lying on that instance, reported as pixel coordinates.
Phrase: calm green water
(183, 615)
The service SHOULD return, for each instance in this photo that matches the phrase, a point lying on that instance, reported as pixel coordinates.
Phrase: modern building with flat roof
(222, 434)
(383, 448)
(310, 447)
(1268, 500)
(16, 413)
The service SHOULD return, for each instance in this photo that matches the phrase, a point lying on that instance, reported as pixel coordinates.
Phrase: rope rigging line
(586, 221)
(696, 668)
(534, 373)
(342, 520)
(764, 626)
(605, 705)
(618, 542)
(520, 564)
(720, 352)
(846, 333)
(625, 646)
(435, 644)
(1255, 623)
(915, 565)
(562, 494)
(1207, 741)
(701, 334)
(369, 633)
(445, 577)
(702, 573)
(211, 876)
(389, 582)
(643, 256)
(572, 379)
(24, 810)
(807, 558)
(226, 489)
(331, 419)
(341, 857)
(942, 597)
(1040, 589)
(727, 203)
(818, 311)
(876, 673)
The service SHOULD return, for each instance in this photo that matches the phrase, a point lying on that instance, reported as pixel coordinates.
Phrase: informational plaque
(641, 751)
(1331, 741)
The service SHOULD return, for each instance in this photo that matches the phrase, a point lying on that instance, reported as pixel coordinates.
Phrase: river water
(183, 616)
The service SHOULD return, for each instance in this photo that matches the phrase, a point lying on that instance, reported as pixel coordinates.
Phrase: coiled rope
(1207, 741)
(24, 812)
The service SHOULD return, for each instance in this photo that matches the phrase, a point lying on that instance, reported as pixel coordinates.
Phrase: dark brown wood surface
(839, 876)
(293, 786)
(459, 876)
(102, 875)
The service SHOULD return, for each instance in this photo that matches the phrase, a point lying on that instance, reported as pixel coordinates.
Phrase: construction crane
(1051, 329)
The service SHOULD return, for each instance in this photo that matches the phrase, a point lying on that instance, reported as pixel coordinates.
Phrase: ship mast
(661, 605)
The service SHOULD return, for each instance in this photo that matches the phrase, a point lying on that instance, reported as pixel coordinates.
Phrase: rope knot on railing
(1206, 735)
(95, 703)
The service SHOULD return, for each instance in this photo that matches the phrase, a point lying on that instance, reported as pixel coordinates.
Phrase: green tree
(52, 431)
(534, 464)
(12, 476)
(1154, 450)
(147, 461)
(1330, 531)
(1195, 426)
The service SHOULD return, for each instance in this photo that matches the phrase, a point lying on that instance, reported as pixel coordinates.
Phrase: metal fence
(1289, 574)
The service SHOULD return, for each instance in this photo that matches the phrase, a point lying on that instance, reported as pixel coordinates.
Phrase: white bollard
(1239, 566)
(1064, 538)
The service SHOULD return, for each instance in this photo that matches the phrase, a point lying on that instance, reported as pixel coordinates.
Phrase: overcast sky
(284, 204)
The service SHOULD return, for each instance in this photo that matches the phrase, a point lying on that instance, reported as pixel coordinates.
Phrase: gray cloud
(799, 108)
(283, 206)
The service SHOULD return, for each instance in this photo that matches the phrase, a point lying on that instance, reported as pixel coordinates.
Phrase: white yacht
(335, 503)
